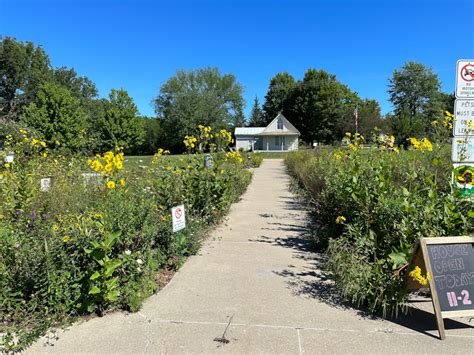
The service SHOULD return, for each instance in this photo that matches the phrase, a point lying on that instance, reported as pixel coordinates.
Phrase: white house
(279, 135)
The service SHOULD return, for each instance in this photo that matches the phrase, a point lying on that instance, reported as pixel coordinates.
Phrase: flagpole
(356, 117)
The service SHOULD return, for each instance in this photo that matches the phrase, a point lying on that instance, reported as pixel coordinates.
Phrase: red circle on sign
(467, 72)
(178, 213)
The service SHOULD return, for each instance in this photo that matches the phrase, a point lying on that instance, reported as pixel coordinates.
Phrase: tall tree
(24, 67)
(120, 124)
(202, 96)
(58, 117)
(414, 92)
(318, 105)
(277, 98)
(257, 118)
(79, 86)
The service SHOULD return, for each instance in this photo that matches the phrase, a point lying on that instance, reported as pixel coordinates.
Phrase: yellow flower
(340, 219)
(168, 168)
(122, 182)
(110, 185)
(66, 238)
(435, 122)
(45, 155)
(108, 167)
(417, 276)
(396, 150)
(7, 165)
(55, 228)
(119, 165)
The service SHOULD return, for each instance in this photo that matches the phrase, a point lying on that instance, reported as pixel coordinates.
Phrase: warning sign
(464, 117)
(465, 78)
(178, 217)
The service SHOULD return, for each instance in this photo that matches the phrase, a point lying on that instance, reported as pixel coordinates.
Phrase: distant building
(279, 135)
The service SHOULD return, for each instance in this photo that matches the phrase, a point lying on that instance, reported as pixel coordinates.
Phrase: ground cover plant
(97, 239)
(372, 205)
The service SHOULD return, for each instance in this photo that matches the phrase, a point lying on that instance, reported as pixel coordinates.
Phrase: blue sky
(137, 45)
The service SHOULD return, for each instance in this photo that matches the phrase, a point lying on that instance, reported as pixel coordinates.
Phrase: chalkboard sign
(450, 263)
(452, 268)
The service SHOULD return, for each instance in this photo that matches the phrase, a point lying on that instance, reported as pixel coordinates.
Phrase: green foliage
(257, 118)
(58, 117)
(278, 95)
(388, 202)
(414, 92)
(24, 67)
(119, 123)
(202, 96)
(85, 247)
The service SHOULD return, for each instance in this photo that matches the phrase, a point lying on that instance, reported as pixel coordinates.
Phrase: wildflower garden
(98, 238)
(373, 202)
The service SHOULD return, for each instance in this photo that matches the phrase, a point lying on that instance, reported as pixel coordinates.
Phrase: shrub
(372, 206)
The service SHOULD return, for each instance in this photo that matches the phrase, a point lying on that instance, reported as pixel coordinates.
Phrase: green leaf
(112, 295)
(112, 238)
(470, 214)
(94, 276)
(94, 290)
(398, 259)
(110, 267)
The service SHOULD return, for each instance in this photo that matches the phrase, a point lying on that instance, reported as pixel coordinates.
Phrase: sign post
(463, 130)
(450, 263)
(178, 218)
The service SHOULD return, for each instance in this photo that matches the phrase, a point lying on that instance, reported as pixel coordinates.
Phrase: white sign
(463, 150)
(463, 117)
(45, 184)
(465, 78)
(179, 219)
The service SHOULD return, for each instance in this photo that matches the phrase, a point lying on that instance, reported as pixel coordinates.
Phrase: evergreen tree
(257, 118)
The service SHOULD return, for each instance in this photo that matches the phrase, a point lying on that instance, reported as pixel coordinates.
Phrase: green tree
(119, 123)
(58, 117)
(318, 106)
(277, 98)
(24, 67)
(202, 96)
(414, 93)
(369, 117)
(79, 86)
(257, 118)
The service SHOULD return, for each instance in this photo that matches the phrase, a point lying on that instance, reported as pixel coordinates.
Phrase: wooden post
(434, 293)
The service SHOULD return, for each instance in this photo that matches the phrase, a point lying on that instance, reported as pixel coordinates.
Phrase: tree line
(64, 108)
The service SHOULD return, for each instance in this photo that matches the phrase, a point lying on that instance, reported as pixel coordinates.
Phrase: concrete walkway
(256, 271)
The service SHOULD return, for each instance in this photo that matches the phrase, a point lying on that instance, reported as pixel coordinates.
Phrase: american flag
(356, 116)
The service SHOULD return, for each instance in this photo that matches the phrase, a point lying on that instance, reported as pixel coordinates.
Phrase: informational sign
(464, 117)
(453, 274)
(45, 184)
(463, 149)
(178, 218)
(463, 184)
(450, 263)
(465, 78)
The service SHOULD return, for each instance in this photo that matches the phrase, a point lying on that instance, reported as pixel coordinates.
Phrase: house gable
(280, 125)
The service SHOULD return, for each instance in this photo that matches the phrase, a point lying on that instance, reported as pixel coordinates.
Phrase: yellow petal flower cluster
(417, 276)
(423, 144)
(234, 156)
(340, 219)
(109, 164)
(190, 142)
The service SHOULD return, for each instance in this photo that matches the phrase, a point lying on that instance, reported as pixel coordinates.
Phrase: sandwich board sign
(465, 78)
(178, 218)
(450, 263)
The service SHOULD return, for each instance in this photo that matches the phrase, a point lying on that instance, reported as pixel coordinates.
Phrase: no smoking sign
(465, 78)
(178, 217)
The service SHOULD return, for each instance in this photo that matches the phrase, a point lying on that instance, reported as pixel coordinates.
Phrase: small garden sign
(178, 217)
(449, 265)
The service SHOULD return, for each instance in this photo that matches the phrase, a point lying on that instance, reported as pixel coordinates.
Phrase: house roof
(266, 131)
(248, 131)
